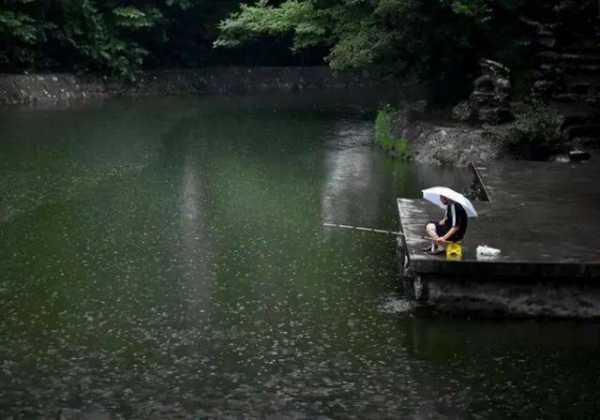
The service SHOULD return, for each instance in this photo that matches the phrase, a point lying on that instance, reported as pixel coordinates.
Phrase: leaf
(134, 18)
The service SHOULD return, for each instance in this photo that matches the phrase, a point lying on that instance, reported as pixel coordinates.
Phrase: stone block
(463, 112)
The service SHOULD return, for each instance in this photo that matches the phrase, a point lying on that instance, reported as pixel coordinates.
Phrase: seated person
(451, 228)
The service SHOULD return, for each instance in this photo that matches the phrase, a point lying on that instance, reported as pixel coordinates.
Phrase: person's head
(445, 200)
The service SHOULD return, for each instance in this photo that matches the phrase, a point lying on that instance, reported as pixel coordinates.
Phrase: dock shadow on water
(165, 258)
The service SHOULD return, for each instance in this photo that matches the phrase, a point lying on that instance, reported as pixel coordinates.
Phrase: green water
(164, 258)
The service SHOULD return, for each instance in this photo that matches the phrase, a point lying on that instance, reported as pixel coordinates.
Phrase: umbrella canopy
(433, 195)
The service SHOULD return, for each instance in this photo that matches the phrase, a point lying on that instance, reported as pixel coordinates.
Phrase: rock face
(565, 39)
(568, 57)
(456, 146)
(490, 100)
(567, 73)
(444, 144)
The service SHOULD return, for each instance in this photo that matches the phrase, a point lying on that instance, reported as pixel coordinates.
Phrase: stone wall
(567, 66)
(25, 89)
(568, 53)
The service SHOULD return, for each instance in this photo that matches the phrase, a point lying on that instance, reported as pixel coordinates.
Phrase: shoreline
(432, 141)
(443, 142)
(23, 89)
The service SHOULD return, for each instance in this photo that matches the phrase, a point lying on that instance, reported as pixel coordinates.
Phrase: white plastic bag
(484, 251)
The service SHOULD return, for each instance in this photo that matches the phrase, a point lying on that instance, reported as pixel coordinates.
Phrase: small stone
(578, 155)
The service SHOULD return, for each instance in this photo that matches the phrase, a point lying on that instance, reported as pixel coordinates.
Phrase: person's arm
(443, 239)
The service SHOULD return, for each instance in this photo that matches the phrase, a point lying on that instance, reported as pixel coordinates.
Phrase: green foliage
(134, 18)
(98, 39)
(537, 133)
(383, 126)
(397, 147)
(19, 27)
(20, 34)
(540, 124)
(114, 37)
(437, 39)
(292, 16)
(478, 9)
(358, 33)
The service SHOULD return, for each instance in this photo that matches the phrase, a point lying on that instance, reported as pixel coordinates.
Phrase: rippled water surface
(164, 258)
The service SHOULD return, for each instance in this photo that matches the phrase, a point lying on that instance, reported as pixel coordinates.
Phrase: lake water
(164, 258)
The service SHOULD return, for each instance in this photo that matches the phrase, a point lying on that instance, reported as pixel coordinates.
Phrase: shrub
(397, 147)
(536, 134)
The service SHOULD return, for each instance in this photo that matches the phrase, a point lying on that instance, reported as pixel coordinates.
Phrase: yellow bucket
(454, 251)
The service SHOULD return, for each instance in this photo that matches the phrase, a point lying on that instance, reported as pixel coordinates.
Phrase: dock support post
(419, 288)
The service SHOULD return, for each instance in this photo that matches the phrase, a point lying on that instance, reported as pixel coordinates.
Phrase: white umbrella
(433, 195)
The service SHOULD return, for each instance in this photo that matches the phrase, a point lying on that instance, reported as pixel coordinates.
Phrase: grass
(397, 147)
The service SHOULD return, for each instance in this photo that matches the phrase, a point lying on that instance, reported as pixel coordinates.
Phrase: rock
(453, 146)
(463, 112)
(411, 111)
(495, 116)
(543, 88)
(567, 51)
(419, 107)
(578, 155)
(547, 41)
(490, 100)
(503, 85)
(484, 83)
(494, 67)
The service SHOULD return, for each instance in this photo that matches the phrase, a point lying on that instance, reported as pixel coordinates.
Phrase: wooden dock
(545, 219)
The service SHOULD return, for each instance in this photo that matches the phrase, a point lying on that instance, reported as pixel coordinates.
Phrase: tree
(115, 37)
(20, 34)
(435, 38)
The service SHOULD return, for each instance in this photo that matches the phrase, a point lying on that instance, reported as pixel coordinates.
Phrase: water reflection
(350, 193)
(361, 184)
(196, 245)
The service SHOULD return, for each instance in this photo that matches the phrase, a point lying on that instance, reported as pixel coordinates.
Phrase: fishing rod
(364, 229)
